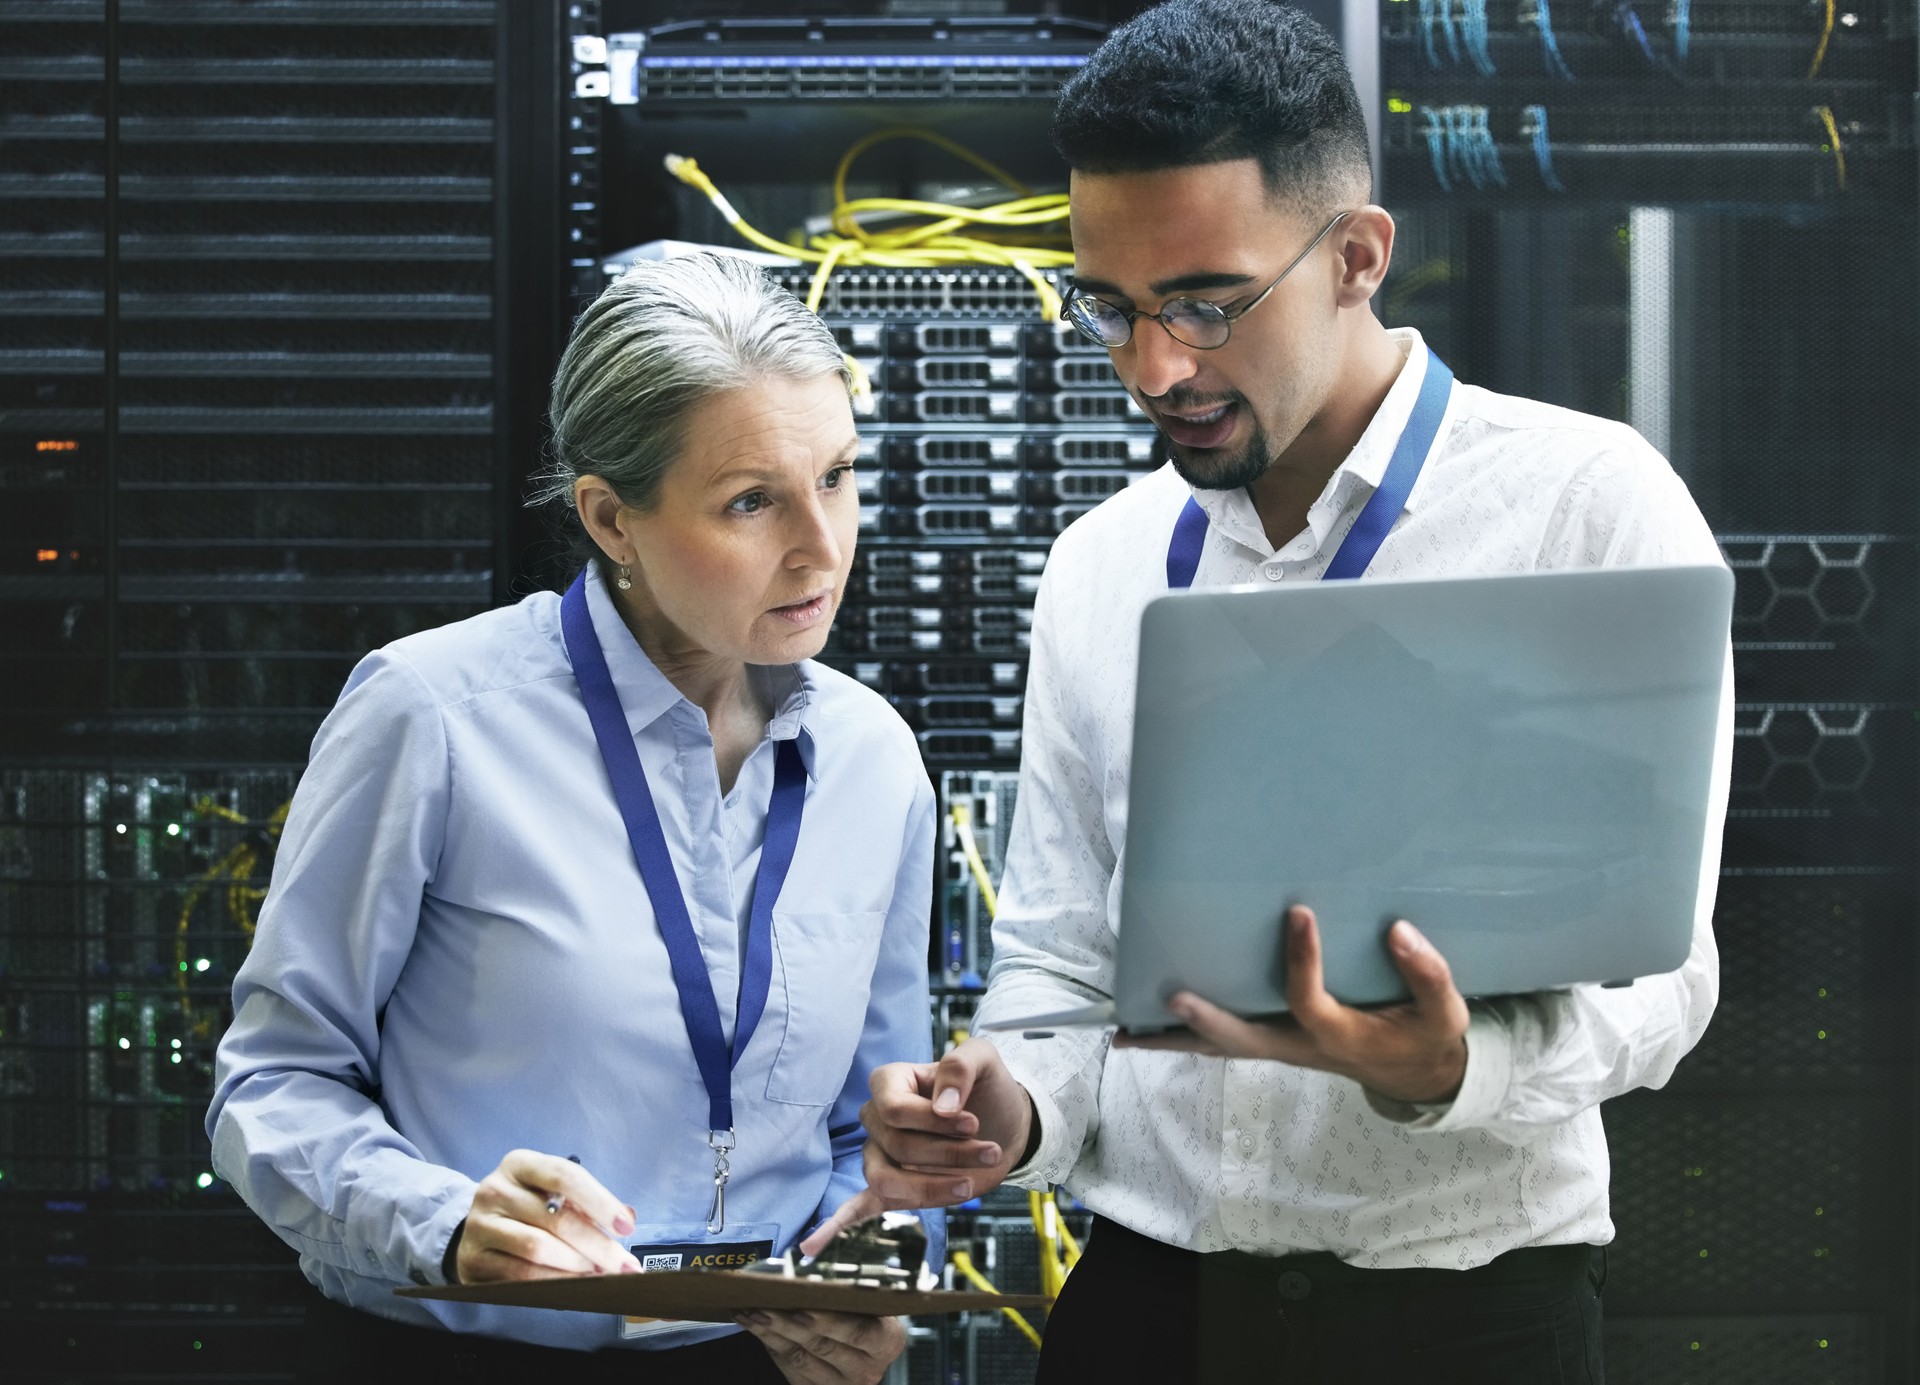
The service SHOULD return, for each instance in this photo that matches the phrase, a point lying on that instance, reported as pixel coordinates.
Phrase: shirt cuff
(1056, 1154)
(1483, 1087)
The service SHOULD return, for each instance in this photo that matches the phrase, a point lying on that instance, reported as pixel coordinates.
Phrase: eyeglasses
(1190, 321)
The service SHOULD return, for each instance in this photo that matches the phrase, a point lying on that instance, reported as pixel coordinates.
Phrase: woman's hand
(828, 1348)
(510, 1234)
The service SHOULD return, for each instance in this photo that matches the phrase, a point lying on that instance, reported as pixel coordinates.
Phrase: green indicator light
(121, 828)
(1696, 1346)
(176, 1057)
(1703, 1254)
(183, 966)
(126, 1043)
(205, 1180)
(196, 1346)
(1819, 1033)
(1822, 1343)
(1819, 1211)
(173, 829)
(202, 964)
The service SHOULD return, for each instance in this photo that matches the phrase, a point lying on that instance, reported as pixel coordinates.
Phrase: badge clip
(720, 1142)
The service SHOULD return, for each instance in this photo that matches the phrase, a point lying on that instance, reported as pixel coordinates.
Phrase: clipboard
(716, 1295)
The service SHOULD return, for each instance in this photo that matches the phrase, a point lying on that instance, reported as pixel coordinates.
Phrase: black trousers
(1137, 1310)
(344, 1344)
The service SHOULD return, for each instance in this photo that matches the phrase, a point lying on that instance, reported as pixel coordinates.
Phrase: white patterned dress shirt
(1215, 1154)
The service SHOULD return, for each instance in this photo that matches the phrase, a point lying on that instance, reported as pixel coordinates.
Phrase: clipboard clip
(884, 1252)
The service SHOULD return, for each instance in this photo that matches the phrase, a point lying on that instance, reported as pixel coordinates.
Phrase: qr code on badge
(660, 1262)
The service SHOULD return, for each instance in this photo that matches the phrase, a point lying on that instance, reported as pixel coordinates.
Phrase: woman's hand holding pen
(937, 1133)
(537, 1216)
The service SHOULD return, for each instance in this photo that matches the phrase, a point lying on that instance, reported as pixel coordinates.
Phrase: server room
(597, 592)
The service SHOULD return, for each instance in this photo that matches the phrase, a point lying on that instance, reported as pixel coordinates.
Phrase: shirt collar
(1232, 512)
(646, 695)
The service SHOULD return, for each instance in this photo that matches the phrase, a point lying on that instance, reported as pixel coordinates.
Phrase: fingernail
(629, 1266)
(962, 1190)
(753, 1319)
(1182, 1009)
(1407, 937)
(990, 1156)
(1296, 920)
(804, 1318)
(623, 1224)
(947, 1102)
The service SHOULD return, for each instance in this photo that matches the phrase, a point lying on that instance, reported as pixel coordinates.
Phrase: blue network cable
(1533, 121)
(1682, 27)
(1549, 46)
(1446, 28)
(1630, 22)
(1435, 150)
(1475, 22)
(1457, 161)
(1429, 16)
(1485, 151)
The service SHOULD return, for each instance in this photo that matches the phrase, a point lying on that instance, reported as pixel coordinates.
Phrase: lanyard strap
(1383, 507)
(690, 976)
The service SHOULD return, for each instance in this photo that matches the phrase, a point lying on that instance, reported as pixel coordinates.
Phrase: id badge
(679, 1249)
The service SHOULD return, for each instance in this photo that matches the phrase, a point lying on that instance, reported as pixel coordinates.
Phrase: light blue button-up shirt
(457, 958)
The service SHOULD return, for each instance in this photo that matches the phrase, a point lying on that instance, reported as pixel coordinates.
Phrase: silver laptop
(1520, 765)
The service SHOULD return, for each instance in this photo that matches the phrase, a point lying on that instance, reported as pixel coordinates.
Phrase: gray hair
(661, 340)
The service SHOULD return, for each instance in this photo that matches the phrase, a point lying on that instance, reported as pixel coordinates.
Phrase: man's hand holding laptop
(944, 1132)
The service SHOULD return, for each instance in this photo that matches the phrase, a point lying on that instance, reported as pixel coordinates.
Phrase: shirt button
(1246, 1144)
(1295, 1286)
(1274, 574)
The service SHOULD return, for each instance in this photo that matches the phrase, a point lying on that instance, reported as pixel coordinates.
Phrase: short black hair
(1208, 81)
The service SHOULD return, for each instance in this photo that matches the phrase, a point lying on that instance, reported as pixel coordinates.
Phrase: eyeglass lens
(1190, 320)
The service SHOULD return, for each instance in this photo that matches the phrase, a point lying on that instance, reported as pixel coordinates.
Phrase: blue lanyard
(698, 1008)
(1383, 507)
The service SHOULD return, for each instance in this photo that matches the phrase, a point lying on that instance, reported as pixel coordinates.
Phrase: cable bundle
(1541, 16)
(936, 233)
(1473, 25)
(1533, 123)
(1459, 141)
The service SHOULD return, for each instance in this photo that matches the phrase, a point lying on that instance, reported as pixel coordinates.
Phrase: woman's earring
(625, 580)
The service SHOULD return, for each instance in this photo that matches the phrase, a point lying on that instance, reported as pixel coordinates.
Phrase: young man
(1414, 1192)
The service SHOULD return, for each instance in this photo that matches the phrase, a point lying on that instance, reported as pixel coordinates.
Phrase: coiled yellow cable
(944, 234)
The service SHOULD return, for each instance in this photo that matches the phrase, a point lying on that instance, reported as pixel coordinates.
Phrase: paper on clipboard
(716, 1295)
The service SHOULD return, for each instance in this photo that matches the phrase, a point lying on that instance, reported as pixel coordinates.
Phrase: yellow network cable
(963, 1263)
(962, 817)
(1059, 1251)
(1820, 53)
(1839, 150)
(944, 235)
(242, 898)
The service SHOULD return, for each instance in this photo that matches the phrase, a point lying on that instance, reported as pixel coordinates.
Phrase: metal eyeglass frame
(1194, 307)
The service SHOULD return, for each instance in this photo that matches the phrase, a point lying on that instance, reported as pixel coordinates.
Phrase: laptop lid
(1519, 764)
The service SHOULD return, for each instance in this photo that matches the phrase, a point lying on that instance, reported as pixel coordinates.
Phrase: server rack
(1647, 212)
(258, 350)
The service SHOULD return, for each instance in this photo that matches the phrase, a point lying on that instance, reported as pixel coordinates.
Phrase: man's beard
(1215, 469)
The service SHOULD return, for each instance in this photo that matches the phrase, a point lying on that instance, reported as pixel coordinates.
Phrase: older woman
(593, 914)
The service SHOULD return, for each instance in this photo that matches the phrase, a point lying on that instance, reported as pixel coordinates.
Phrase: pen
(558, 1200)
